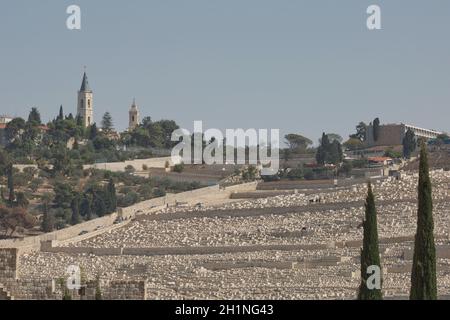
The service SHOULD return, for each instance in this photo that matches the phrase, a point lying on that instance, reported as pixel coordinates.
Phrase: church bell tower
(85, 108)
(133, 117)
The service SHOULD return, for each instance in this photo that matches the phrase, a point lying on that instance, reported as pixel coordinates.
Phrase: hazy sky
(301, 66)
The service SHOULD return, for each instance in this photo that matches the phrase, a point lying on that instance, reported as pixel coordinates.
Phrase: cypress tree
(409, 144)
(48, 223)
(112, 197)
(85, 208)
(12, 196)
(61, 113)
(93, 132)
(75, 206)
(370, 255)
(423, 276)
(99, 206)
(34, 117)
(376, 129)
(79, 121)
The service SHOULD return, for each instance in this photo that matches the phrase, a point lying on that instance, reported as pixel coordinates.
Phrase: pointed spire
(134, 106)
(85, 84)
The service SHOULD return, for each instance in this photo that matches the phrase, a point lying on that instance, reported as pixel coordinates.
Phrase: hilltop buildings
(85, 109)
(393, 134)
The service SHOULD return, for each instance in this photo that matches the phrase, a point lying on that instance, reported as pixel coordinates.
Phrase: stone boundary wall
(50, 290)
(11, 286)
(399, 239)
(164, 251)
(204, 195)
(215, 266)
(93, 234)
(9, 259)
(207, 194)
(120, 166)
(124, 290)
(137, 164)
(33, 243)
(33, 290)
(442, 251)
(49, 246)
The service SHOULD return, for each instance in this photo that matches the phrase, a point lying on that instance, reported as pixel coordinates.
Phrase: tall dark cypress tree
(423, 277)
(61, 113)
(376, 129)
(48, 223)
(85, 208)
(93, 132)
(112, 197)
(10, 173)
(370, 255)
(75, 206)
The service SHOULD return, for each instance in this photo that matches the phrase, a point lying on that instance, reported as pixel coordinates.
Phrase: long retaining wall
(165, 251)
(33, 243)
(206, 195)
(137, 164)
(52, 246)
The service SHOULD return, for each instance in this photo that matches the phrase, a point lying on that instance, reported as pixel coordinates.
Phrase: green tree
(75, 206)
(329, 152)
(85, 207)
(409, 144)
(99, 206)
(107, 122)
(168, 127)
(10, 175)
(353, 144)
(376, 129)
(61, 113)
(334, 137)
(361, 132)
(34, 117)
(297, 142)
(423, 277)
(112, 196)
(21, 200)
(48, 221)
(93, 132)
(64, 195)
(5, 160)
(14, 130)
(370, 255)
(60, 160)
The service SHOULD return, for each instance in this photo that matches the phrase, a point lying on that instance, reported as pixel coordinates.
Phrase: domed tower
(85, 108)
(134, 116)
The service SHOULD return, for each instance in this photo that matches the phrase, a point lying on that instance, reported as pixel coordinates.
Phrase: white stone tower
(134, 116)
(85, 108)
